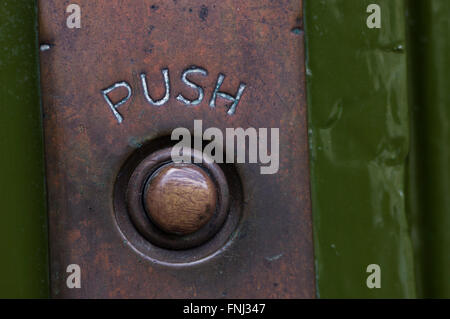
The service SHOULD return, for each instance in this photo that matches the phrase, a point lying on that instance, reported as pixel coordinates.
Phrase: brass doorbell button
(180, 198)
(177, 205)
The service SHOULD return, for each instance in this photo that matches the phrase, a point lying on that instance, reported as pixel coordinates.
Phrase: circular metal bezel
(136, 208)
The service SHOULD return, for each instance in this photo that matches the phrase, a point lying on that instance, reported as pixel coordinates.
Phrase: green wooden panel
(23, 225)
(359, 144)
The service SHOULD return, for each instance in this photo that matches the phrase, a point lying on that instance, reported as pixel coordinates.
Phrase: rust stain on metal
(250, 67)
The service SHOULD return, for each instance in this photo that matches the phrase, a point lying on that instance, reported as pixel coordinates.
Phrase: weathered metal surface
(144, 45)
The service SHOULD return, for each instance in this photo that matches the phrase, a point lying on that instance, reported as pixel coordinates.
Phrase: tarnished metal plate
(258, 44)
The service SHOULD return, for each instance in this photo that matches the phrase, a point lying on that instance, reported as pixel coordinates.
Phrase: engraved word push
(184, 78)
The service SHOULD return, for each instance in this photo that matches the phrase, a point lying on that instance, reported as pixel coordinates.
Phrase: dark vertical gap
(416, 163)
(48, 292)
(418, 18)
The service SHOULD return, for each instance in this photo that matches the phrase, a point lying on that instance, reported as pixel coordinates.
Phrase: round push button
(177, 205)
(180, 198)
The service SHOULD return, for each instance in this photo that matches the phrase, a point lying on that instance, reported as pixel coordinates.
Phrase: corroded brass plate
(119, 84)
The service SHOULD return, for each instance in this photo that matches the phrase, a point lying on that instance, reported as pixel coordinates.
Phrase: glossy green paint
(359, 144)
(23, 225)
(430, 160)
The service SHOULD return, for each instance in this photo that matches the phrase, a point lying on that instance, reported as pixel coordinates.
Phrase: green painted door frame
(429, 53)
(379, 117)
(23, 223)
(359, 144)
